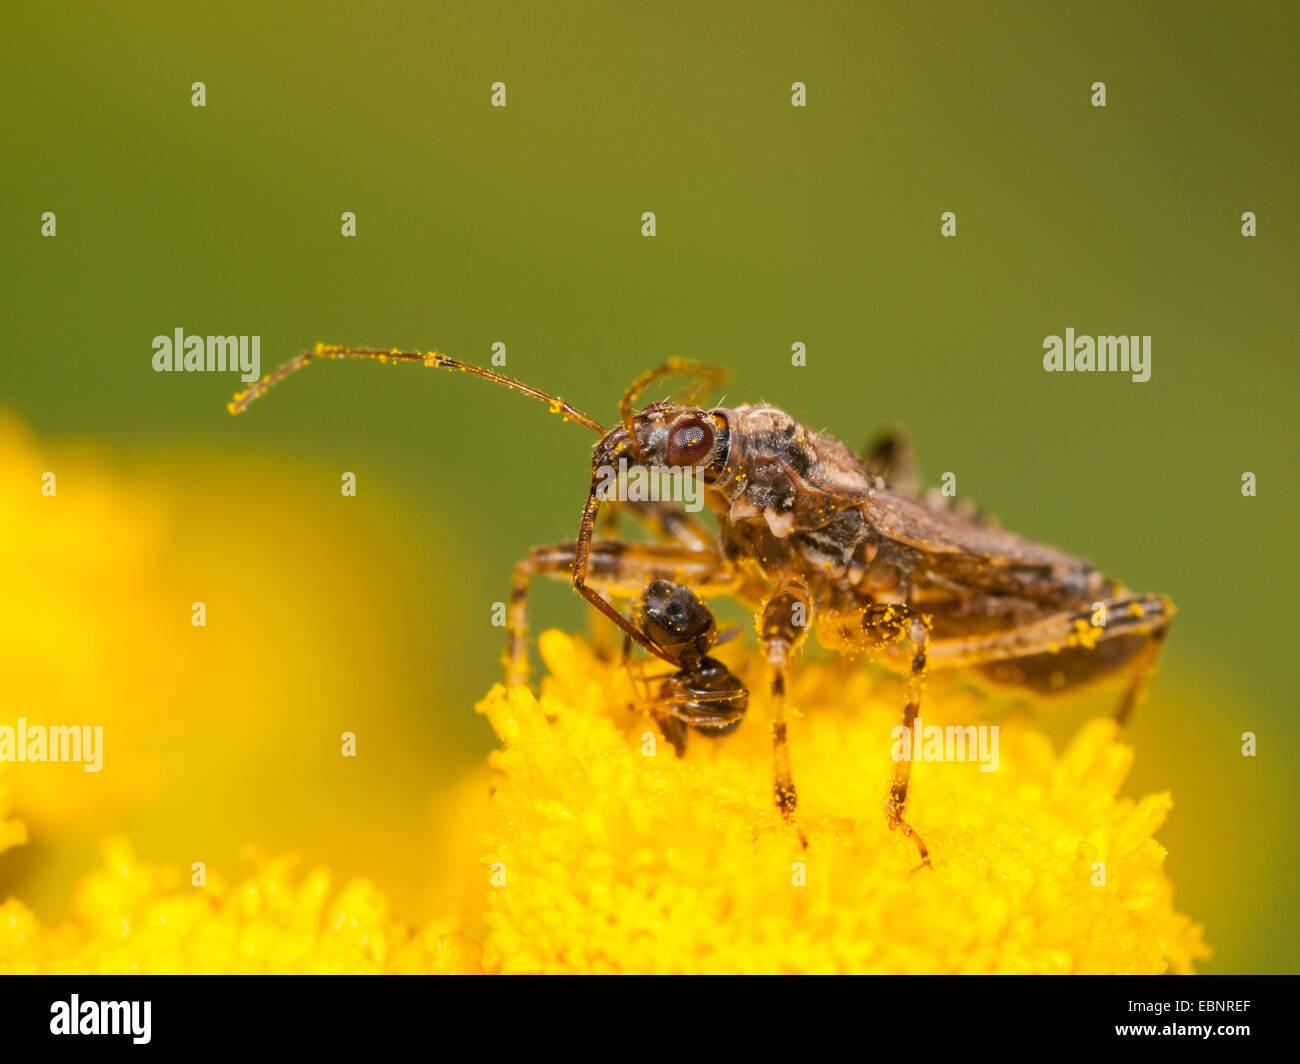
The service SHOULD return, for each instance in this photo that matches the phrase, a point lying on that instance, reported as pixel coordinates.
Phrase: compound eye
(690, 442)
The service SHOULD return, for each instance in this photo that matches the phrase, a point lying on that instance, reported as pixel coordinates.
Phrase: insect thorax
(791, 504)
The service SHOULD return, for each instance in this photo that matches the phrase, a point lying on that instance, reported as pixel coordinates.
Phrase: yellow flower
(600, 857)
(606, 859)
(609, 854)
(96, 607)
(132, 917)
(12, 832)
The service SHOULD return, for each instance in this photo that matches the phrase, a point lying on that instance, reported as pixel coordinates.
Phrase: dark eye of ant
(690, 442)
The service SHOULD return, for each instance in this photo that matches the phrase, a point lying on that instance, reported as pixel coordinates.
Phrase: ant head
(667, 435)
(677, 621)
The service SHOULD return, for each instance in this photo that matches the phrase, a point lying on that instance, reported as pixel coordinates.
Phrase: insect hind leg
(1070, 649)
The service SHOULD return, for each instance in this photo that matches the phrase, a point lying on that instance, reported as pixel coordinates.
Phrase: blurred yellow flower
(211, 739)
(603, 851)
(606, 859)
(132, 917)
(12, 832)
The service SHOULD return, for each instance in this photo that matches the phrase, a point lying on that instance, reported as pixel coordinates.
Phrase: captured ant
(808, 533)
(703, 694)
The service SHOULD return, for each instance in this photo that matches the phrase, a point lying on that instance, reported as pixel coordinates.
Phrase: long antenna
(429, 358)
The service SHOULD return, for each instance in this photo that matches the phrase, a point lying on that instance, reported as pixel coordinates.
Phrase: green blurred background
(775, 224)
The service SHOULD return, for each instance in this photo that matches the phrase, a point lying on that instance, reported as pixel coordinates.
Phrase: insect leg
(782, 628)
(727, 714)
(706, 377)
(1070, 648)
(882, 629)
(620, 567)
(918, 633)
(668, 522)
(889, 455)
(583, 563)
(676, 710)
(674, 730)
(1143, 670)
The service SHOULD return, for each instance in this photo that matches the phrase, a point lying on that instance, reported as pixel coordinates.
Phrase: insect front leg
(705, 376)
(617, 566)
(782, 628)
(584, 573)
(667, 522)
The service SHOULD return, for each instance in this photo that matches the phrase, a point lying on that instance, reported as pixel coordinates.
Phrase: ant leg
(620, 567)
(657, 707)
(731, 711)
(782, 628)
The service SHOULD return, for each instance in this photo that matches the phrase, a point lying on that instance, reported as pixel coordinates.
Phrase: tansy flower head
(134, 917)
(608, 853)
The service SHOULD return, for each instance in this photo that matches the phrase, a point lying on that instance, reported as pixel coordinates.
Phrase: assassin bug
(810, 534)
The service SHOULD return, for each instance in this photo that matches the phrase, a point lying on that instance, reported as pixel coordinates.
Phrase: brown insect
(810, 534)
